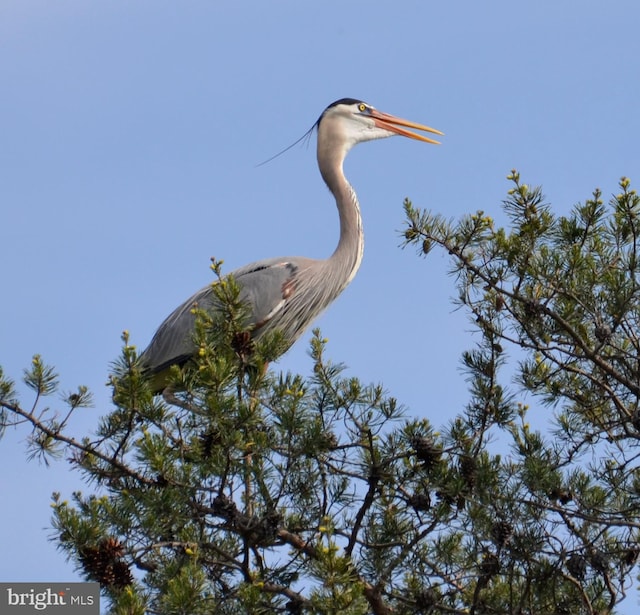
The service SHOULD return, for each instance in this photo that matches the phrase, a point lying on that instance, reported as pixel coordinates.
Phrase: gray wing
(265, 286)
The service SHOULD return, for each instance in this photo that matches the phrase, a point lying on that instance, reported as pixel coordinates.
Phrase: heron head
(353, 121)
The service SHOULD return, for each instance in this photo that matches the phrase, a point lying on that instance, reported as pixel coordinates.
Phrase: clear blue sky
(129, 138)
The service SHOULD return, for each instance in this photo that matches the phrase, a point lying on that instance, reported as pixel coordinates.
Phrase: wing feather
(266, 287)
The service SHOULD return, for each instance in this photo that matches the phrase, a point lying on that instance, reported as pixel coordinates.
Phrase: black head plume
(307, 135)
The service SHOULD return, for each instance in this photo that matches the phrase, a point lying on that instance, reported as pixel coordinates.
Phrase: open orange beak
(393, 123)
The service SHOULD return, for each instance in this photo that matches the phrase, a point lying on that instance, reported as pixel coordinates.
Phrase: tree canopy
(244, 489)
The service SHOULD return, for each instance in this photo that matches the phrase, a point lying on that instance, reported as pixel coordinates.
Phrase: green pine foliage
(246, 490)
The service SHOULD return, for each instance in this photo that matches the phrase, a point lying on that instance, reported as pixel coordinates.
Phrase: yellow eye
(362, 107)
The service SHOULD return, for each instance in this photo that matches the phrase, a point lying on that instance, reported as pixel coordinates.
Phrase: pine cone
(468, 471)
(602, 333)
(501, 533)
(103, 563)
(207, 440)
(600, 561)
(426, 599)
(111, 547)
(426, 451)
(564, 496)
(577, 566)
(420, 501)
(489, 567)
(121, 574)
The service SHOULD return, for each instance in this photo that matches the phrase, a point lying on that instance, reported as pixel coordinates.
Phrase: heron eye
(362, 107)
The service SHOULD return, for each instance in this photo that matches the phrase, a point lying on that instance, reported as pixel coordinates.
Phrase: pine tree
(247, 490)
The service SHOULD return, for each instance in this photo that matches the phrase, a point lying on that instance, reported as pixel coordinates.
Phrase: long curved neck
(346, 258)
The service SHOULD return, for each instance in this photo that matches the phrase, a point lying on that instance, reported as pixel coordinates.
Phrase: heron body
(288, 293)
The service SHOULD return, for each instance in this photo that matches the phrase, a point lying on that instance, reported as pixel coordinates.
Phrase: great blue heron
(288, 293)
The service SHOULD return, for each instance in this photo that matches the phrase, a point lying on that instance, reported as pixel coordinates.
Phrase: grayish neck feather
(324, 280)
